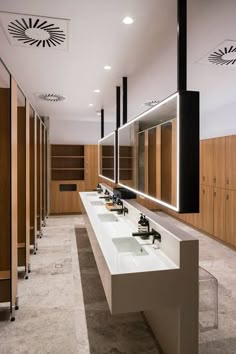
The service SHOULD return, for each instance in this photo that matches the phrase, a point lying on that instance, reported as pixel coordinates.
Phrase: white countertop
(120, 263)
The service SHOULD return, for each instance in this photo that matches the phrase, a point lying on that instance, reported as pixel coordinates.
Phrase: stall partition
(23, 243)
(23, 168)
(39, 177)
(33, 180)
(8, 190)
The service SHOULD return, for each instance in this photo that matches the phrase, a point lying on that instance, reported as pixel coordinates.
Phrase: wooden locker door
(230, 218)
(207, 209)
(206, 158)
(91, 167)
(219, 163)
(219, 213)
(230, 148)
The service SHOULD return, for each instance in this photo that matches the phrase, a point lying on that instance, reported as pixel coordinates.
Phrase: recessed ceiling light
(97, 91)
(107, 67)
(128, 20)
(90, 104)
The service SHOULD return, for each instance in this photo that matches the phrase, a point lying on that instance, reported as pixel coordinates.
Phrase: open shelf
(67, 162)
(67, 150)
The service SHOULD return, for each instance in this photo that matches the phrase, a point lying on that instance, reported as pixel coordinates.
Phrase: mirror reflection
(106, 151)
(148, 152)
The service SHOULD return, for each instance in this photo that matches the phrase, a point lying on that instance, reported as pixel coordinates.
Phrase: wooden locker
(207, 209)
(219, 162)
(206, 162)
(230, 218)
(230, 152)
(219, 213)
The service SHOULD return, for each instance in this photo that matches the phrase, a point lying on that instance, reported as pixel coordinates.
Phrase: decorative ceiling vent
(51, 97)
(224, 54)
(34, 31)
(151, 103)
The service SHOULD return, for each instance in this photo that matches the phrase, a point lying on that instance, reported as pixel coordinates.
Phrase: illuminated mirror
(158, 153)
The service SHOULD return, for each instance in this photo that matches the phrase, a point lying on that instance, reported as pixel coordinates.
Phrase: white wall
(76, 132)
(219, 122)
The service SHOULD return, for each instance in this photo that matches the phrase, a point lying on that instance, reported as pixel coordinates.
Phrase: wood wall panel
(91, 166)
(65, 202)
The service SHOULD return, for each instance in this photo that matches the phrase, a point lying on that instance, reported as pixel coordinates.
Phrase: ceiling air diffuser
(51, 97)
(222, 55)
(35, 31)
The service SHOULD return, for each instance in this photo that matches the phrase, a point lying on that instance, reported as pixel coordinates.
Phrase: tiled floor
(60, 315)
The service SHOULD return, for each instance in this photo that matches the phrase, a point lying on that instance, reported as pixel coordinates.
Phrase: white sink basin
(129, 244)
(94, 194)
(107, 217)
(96, 202)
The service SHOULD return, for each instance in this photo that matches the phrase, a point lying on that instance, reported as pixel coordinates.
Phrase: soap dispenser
(140, 223)
(145, 224)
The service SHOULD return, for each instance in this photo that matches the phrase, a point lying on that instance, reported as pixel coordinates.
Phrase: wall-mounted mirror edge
(107, 157)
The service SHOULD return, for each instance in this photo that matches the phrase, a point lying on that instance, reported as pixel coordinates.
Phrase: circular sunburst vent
(151, 103)
(224, 56)
(36, 32)
(51, 97)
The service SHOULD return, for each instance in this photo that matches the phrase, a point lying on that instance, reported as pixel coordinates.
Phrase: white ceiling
(144, 51)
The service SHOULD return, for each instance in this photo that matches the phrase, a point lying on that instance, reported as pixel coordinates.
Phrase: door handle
(214, 179)
(203, 191)
(203, 178)
(214, 194)
(227, 197)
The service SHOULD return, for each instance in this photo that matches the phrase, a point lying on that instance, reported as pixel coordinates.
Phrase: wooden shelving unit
(67, 178)
(67, 162)
(74, 168)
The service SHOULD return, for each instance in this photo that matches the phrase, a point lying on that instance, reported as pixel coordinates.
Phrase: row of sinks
(122, 244)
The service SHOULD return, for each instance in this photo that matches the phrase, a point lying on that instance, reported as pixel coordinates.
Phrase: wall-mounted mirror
(158, 153)
(107, 157)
